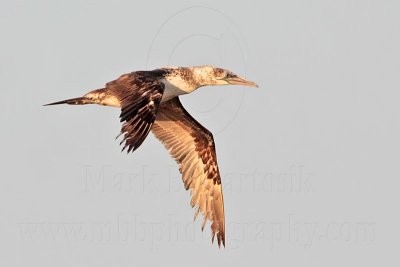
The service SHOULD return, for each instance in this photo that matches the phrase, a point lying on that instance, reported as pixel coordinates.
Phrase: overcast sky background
(309, 161)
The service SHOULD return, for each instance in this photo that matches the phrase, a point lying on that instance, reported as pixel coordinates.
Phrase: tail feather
(99, 96)
(73, 101)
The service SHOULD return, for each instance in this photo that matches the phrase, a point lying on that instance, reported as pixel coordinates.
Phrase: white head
(208, 75)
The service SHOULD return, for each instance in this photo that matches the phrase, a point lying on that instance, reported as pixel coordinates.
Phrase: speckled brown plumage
(139, 95)
(197, 159)
(149, 102)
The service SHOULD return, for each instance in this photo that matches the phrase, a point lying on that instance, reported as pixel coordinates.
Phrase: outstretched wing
(193, 148)
(139, 95)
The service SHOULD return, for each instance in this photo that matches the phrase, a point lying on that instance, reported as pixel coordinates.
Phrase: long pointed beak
(241, 81)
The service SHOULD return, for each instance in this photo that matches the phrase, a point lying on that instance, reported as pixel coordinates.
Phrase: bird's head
(208, 75)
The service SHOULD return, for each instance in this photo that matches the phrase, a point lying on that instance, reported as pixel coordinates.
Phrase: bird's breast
(174, 88)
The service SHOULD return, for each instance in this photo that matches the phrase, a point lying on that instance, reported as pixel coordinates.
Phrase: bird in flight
(149, 101)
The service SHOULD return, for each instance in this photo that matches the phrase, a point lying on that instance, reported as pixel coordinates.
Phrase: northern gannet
(149, 101)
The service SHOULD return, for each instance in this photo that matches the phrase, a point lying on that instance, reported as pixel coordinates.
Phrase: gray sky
(309, 161)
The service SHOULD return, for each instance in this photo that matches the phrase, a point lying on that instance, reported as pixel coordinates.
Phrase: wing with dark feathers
(139, 95)
(193, 148)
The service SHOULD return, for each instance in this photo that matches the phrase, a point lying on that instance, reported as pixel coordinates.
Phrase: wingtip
(220, 240)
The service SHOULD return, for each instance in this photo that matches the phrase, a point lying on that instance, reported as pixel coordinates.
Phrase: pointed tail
(98, 96)
(73, 101)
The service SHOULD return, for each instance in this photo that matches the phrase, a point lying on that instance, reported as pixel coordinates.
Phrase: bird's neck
(180, 83)
(184, 79)
(176, 85)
